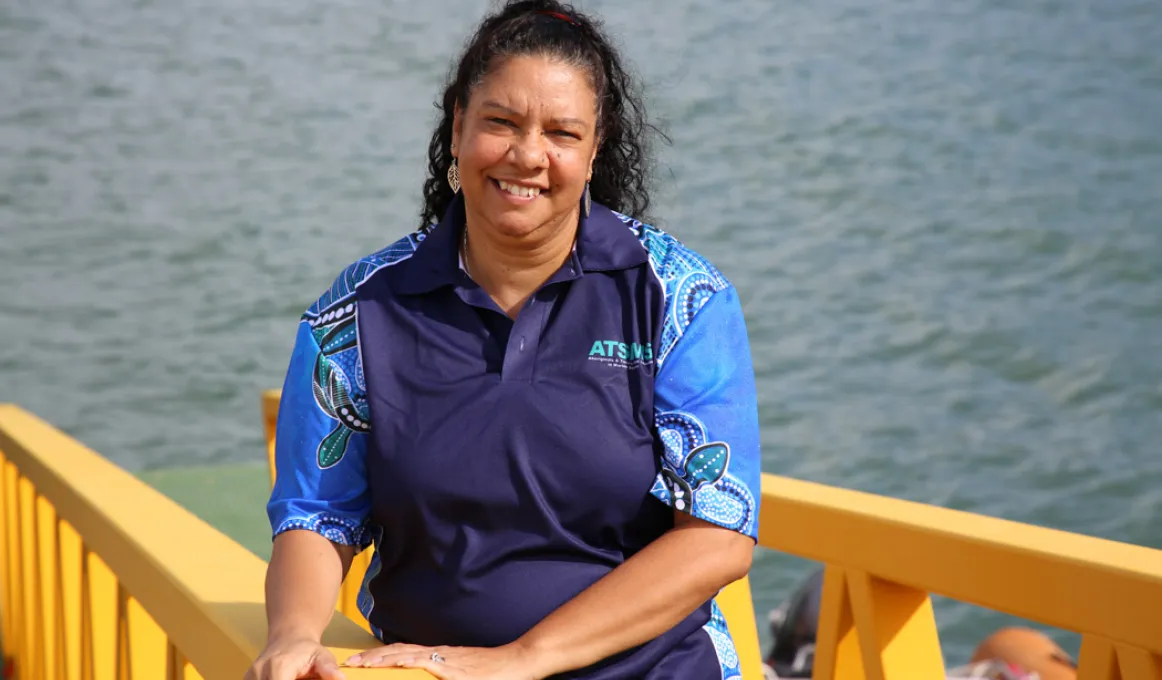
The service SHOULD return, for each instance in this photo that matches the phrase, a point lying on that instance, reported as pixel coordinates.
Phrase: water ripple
(943, 219)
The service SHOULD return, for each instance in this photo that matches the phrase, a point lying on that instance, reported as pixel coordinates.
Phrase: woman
(541, 411)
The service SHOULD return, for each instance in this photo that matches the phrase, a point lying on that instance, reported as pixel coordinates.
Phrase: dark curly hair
(623, 165)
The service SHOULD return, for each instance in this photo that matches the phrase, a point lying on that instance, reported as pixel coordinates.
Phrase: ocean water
(944, 219)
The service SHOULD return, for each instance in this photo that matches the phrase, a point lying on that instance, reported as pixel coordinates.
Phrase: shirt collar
(604, 243)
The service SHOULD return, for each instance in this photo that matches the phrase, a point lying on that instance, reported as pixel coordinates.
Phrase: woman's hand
(510, 662)
(295, 659)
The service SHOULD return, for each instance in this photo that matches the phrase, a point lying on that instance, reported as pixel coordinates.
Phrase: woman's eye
(499, 121)
(566, 133)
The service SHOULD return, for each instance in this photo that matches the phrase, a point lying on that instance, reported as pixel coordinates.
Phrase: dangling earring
(588, 201)
(454, 177)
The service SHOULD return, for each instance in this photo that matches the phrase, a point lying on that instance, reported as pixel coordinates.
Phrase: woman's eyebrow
(490, 104)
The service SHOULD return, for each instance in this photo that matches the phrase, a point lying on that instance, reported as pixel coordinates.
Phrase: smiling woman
(540, 409)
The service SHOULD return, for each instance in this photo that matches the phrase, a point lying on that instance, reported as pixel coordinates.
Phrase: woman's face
(525, 145)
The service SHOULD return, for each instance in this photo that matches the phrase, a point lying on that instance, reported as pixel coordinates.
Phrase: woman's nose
(529, 150)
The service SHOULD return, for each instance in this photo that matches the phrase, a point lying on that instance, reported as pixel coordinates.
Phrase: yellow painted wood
(175, 663)
(103, 614)
(1076, 582)
(5, 595)
(203, 589)
(8, 551)
(70, 596)
(270, 401)
(206, 591)
(32, 655)
(149, 643)
(1138, 664)
(837, 648)
(348, 602)
(897, 629)
(1097, 660)
(48, 577)
(124, 659)
(88, 663)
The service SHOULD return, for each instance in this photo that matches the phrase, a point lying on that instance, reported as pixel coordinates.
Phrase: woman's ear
(457, 124)
(596, 148)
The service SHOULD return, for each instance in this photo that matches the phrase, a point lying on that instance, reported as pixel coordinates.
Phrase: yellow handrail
(105, 578)
(883, 557)
(102, 577)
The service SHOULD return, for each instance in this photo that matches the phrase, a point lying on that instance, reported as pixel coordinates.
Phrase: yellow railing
(884, 557)
(104, 578)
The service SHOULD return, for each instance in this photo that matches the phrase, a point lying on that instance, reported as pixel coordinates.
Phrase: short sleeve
(321, 442)
(706, 416)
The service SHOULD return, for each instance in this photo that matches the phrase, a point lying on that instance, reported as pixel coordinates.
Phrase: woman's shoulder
(339, 298)
(689, 281)
(672, 260)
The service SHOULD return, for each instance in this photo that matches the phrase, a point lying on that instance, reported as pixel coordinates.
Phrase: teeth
(526, 192)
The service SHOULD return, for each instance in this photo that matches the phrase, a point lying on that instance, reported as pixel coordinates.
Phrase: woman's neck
(510, 270)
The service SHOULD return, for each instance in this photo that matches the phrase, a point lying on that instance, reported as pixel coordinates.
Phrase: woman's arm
(641, 599)
(302, 584)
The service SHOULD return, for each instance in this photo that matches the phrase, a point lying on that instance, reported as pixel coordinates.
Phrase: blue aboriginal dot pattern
(689, 280)
(333, 527)
(696, 472)
(723, 644)
(337, 382)
(696, 475)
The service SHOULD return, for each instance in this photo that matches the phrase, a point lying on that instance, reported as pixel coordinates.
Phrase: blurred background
(944, 219)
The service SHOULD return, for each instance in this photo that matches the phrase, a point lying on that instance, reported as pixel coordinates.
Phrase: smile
(517, 191)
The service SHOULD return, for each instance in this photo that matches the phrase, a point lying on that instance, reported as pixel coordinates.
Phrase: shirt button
(522, 343)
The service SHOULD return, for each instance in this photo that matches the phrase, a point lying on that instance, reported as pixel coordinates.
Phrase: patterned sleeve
(706, 415)
(321, 436)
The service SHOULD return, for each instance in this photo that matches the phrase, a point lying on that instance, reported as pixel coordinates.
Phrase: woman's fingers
(327, 668)
(297, 661)
(376, 655)
(441, 670)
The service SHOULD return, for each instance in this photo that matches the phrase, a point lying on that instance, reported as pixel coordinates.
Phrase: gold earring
(454, 177)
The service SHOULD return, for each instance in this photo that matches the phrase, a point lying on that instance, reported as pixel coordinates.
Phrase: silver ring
(436, 658)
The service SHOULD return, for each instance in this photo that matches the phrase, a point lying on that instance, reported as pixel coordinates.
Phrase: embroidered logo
(622, 354)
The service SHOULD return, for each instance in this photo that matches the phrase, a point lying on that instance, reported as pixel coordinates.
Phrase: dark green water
(945, 220)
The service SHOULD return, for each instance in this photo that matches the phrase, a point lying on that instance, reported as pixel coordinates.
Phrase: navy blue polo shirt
(503, 466)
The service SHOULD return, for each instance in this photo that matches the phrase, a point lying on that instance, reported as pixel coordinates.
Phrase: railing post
(897, 629)
(61, 640)
(30, 664)
(837, 653)
(43, 520)
(88, 661)
(175, 663)
(124, 659)
(1102, 659)
(1138, 663)
(7, 575)
(1097, 661)
(7, 629)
